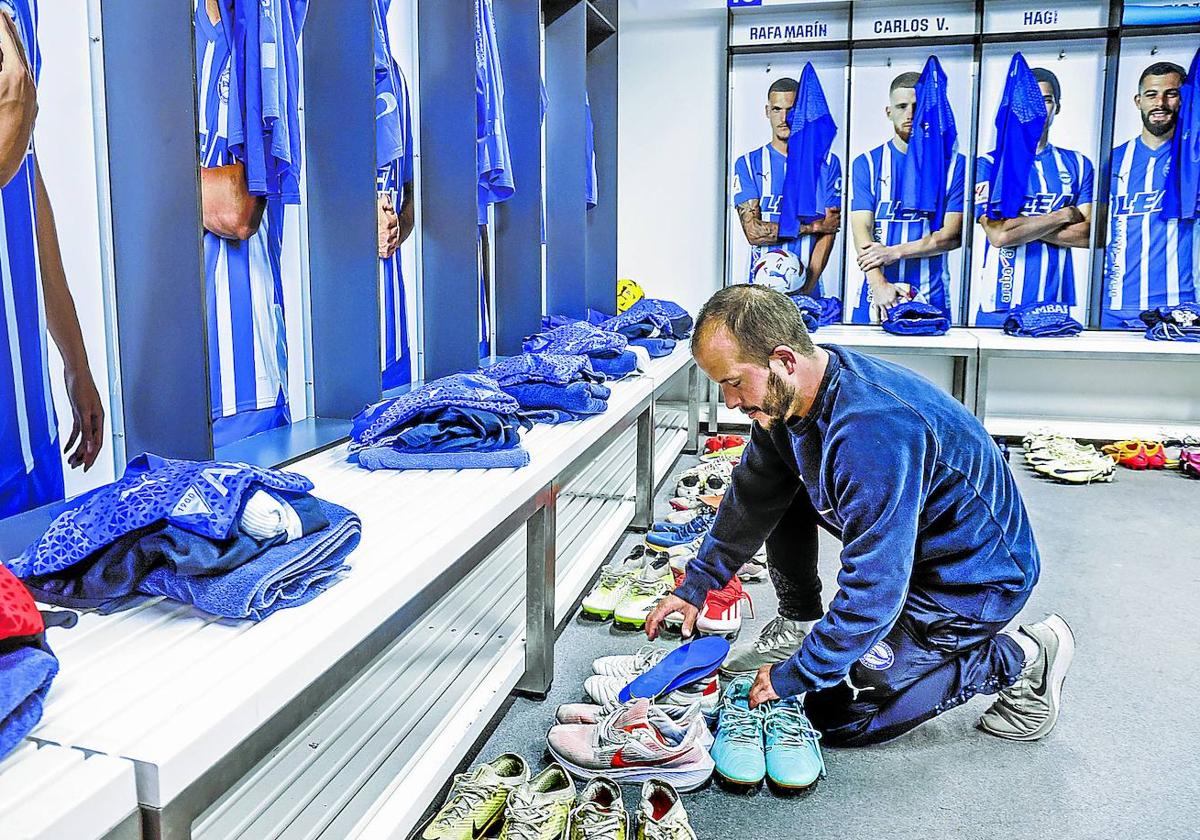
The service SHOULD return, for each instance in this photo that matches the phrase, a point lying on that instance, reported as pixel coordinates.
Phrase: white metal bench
(195, 701)
(57, 793)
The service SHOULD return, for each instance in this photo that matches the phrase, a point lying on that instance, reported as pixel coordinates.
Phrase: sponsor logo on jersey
(1138, 204)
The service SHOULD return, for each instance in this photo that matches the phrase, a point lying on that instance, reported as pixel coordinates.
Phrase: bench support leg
(643, 515)
(966, 369)
(693, 418)
(981, 386)
(539, 600)
(713, 402)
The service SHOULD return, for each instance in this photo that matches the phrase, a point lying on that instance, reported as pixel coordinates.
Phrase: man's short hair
(1047, 76)
(758, 318)
(1162, 68)
(784, 85)
(904, 80)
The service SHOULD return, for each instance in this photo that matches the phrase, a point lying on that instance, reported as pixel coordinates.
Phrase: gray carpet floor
(1121, 562)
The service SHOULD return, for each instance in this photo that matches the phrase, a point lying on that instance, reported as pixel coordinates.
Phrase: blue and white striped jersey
(759, 174)
(394, 154)
(28, 429)
(247, 346)
(1036, 272)
(875, 179)
(1151, 261)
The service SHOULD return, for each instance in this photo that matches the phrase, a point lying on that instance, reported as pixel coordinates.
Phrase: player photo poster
(1149, 259)
(760, 98)
(1015, 263)
(902, 247)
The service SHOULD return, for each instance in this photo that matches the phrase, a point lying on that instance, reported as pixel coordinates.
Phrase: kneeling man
(938, 553)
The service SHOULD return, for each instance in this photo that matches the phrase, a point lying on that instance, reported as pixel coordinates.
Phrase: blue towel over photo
(1019, 123)
(1181, 194)
(931, 147)
(287, 575)
(26, 672)
(813, 130)
(264, 93)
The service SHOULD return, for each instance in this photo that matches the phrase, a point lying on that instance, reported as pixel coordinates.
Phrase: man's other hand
(762, 691)
(229, 210)
(389, 226)
(87, 430)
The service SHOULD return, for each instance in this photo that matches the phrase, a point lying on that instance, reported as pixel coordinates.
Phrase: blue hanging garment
(391, 94)
(932, 147)
(1042, 320)
(915, 318)
(264, 93)
(1019, 123)
(492, 158)
(812, 133)
(1181, 194)
(591, 190)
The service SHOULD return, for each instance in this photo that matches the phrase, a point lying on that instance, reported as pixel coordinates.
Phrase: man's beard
(1159, 129)
(777, 401)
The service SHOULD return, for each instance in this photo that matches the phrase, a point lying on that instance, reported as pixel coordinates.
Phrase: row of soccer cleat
(546, 807)
(1066, 459)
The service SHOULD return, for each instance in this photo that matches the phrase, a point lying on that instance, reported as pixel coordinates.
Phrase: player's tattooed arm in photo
(1076, 234)
(757, 231)
(832, 222)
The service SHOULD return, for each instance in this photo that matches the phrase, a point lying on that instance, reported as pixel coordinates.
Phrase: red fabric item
(19, 615)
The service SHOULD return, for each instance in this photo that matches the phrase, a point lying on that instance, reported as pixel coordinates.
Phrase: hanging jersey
(759, 174)
(1151, 260)
(1036, 272)
(30, 466)
(589, 141)
(394, 153)
(247, 347)
(875, 186)
(491, 144)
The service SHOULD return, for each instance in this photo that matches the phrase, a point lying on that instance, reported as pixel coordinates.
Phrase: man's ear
(786, 356)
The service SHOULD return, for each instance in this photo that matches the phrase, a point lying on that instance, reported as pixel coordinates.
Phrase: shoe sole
(780, 789)
(1057, 677)
(683, 780)
(625, 624)
(738, 785)
(595, 615)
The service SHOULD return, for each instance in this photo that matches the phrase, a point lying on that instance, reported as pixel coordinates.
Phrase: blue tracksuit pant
(932, 659)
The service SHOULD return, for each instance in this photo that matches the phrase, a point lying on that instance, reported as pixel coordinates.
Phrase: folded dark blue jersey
(1042, 320)
(831, 310)
(810, 310)
(1173, 323)
(916, 318)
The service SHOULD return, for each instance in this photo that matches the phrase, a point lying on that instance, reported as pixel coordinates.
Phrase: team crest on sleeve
(981, 191)
(879, 657)
(737, 183)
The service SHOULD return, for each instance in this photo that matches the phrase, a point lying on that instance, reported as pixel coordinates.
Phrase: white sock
(1029, 645)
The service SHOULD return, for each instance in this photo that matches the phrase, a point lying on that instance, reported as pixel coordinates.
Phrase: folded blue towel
(1173, 323)
(26, 672)
(454, 429)
(202, 497)
(810, 311)
(554, 368)
(575, 338)
(461, 390)
(577, 398)
(616, 367)
(916, 318)
(831, 310)
(552, 416)
(386, 458)
(1042, 320)
(656, 347)
(285, 576)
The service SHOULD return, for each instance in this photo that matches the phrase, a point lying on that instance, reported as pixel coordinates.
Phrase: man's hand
(88, 414)
(884, 296)
(389, 226)
(668, 605)
(876, 255)
(18, 100)
(762, 691)
(229, 210)
(1071, 215)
